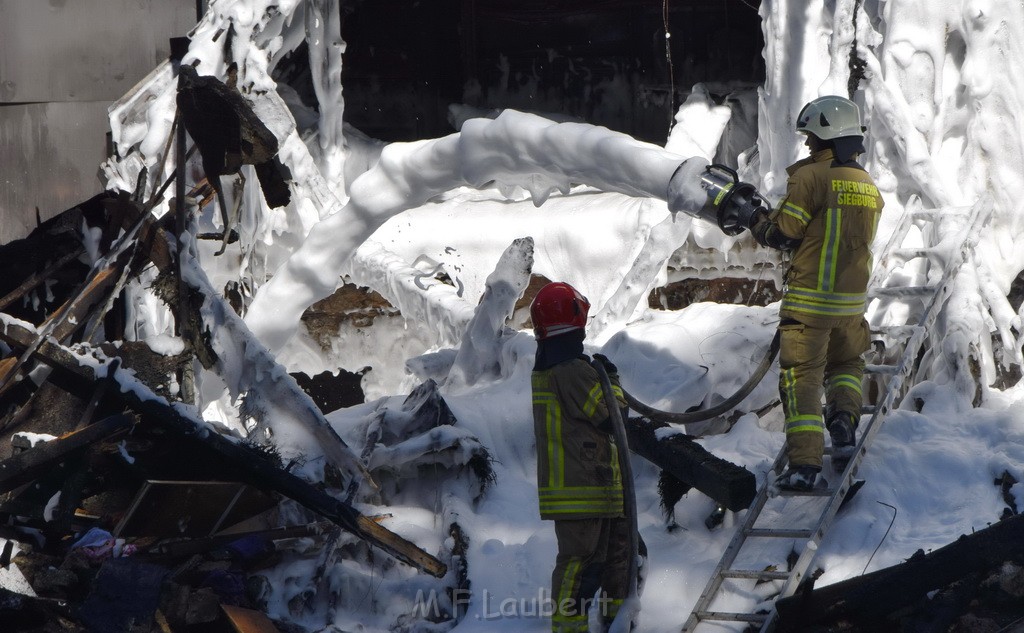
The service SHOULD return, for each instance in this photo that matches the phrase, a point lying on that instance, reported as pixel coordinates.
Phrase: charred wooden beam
(97, 396)
(76, 312)
(872, 597)
(35, 279)
(730, 485)
(257, 470)
(26, 466)
(68, 318)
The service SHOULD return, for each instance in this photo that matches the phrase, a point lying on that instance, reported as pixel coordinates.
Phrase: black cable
(894, 511)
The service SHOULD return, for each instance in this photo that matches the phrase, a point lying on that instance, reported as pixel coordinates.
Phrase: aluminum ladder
(894, 372)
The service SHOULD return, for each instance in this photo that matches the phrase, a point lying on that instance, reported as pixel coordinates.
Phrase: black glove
(758, 217)
(768, 234)
(609, 366)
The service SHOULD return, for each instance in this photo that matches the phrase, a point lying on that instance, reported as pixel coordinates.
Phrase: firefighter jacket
(578, 474)
(833, 210)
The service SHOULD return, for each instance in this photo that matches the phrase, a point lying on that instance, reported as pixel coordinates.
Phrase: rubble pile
(122, 509)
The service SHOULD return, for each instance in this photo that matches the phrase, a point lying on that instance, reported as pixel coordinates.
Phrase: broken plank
(256, 469)
(247, 620)
(27, 465)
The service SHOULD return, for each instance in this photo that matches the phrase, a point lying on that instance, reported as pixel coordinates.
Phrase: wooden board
(247, 620)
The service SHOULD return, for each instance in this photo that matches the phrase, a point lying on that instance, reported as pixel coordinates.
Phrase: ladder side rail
(889, 400)
(739, 538)
(980, 213)
(906, 368)
(731, 551)
(896, 388)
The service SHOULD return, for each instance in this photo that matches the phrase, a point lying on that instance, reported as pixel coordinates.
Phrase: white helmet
(830, 117)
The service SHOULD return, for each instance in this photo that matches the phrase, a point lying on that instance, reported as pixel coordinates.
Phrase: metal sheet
(50, 155)
(84, 50)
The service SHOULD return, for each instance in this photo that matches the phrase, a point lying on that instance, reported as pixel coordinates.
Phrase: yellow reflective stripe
(579, 491)
(580, 500)
(604, 500)
(547, 511)
(616, 471)
(721, 194)
(846, 381)
(553, 431)
(595, 396)
(610, 500)
(830, 249)
(811, 301)
(805, 307)
(796, 212)
(822, 296)
(570, 579)
(798, 429)
(787, 382)
(800, 423)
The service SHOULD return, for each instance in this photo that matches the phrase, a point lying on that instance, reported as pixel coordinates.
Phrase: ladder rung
(814, 492)
(880, 369)
(902, 291)
(911, 253)
(868, 409)
(777, 533)
(935, 213)
(754, 574)
(896, 331)
(725, 616)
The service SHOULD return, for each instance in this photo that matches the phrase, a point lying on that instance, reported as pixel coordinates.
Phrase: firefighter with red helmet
(579, 482)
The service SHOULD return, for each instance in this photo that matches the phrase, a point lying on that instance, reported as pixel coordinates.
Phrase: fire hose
(716, 410)
(713, 193)
(628, 500)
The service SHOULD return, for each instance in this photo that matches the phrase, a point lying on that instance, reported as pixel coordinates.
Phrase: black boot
(798, 478)
(842, 429)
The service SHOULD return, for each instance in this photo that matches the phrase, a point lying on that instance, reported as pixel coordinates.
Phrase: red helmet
(558, 308)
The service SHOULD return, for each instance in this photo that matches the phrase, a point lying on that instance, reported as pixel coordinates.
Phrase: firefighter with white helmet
(827, 221)
(579, 481)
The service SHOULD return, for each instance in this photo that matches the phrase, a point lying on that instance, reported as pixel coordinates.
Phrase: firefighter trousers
(813, 360)
(592, 554)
